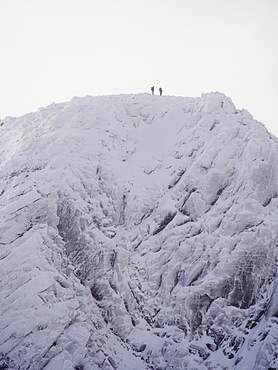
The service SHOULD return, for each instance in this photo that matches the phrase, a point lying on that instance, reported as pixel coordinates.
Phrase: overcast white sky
(53, 50)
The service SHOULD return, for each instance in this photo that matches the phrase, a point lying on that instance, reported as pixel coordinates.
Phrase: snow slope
(138, 232)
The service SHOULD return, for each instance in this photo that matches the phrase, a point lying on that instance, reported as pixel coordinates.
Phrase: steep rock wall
(138, 232)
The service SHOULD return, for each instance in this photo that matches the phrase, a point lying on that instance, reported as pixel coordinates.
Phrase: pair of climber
(160, 90)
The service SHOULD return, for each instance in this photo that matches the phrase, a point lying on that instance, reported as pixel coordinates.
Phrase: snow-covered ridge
(137, 232)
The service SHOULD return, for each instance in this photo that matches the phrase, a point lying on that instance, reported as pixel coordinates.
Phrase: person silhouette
(160, 91)
(152, 89)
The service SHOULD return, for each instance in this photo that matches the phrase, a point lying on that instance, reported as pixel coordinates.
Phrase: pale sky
(53, 50)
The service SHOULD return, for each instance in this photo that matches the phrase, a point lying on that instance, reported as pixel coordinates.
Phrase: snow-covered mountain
(138, 232)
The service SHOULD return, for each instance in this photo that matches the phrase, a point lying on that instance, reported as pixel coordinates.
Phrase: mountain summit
(138, 232)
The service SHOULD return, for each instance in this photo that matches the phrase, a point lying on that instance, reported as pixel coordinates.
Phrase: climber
(160, 91)
(152, 89)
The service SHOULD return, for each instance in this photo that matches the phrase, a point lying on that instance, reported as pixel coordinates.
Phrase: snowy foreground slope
(138, 232)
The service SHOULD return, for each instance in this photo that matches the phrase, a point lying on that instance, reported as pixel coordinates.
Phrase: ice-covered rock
(138, 232)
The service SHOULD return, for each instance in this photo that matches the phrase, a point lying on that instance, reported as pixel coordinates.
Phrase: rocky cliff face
(138, 232)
